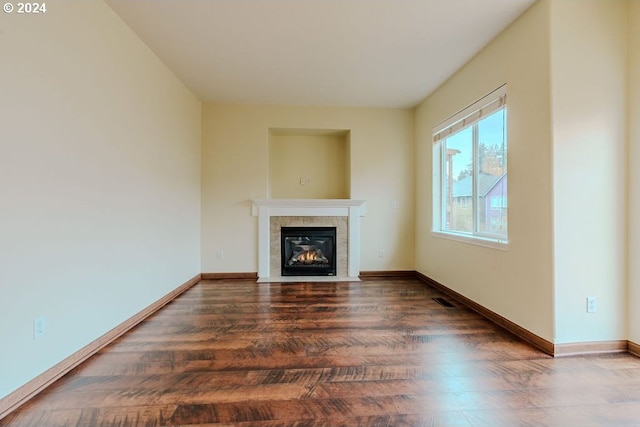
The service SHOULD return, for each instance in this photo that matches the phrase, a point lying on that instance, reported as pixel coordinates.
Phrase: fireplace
(308, 251)
(273, 214)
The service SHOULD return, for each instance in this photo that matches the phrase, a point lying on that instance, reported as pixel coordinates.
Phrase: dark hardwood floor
(372, 353)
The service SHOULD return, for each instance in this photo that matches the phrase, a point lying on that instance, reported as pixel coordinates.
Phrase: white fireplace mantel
(264, 209)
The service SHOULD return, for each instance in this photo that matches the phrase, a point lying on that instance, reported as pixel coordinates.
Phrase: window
(498, 202)
(470, 179)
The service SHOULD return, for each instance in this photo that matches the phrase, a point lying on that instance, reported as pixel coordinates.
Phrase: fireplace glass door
(308, 251)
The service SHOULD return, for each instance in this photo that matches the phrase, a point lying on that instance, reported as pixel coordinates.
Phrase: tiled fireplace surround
(344, 214)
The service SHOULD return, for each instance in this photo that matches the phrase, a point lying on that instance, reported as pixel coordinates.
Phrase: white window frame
(464, 119)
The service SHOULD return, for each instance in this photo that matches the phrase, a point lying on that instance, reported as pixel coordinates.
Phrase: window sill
(474, 240)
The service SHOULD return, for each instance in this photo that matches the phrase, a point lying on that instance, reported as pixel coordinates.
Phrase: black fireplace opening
(308, 251)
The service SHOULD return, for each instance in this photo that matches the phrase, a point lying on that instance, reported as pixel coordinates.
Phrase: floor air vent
(443, 302)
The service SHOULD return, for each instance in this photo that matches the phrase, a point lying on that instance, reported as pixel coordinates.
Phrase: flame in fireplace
(307, 256)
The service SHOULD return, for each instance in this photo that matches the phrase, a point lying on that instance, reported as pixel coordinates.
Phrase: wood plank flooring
(380, 352)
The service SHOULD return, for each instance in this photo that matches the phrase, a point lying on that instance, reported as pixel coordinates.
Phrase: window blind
(483, 107)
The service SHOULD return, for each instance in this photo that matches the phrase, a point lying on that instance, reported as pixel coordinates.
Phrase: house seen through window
(470, 155)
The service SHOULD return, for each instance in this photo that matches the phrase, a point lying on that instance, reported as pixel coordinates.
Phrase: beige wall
(99, 182)
(235, 169)
(588, 56)
(634, 171)
(516, 283)
(565, 64)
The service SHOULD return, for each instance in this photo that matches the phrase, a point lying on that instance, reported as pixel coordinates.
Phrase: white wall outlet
(381, 253)
(592, 306)
(39, 327)
(395, 204)
(220, 255)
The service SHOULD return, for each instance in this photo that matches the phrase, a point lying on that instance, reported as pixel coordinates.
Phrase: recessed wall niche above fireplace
(308, 251)
(309, 163)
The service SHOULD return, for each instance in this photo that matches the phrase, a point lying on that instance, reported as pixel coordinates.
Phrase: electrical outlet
(39, 327)
(592, 306)
(220, 255)
(395, 204)
(381, 253)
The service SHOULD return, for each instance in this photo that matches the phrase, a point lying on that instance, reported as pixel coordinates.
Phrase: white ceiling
(373, 53)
